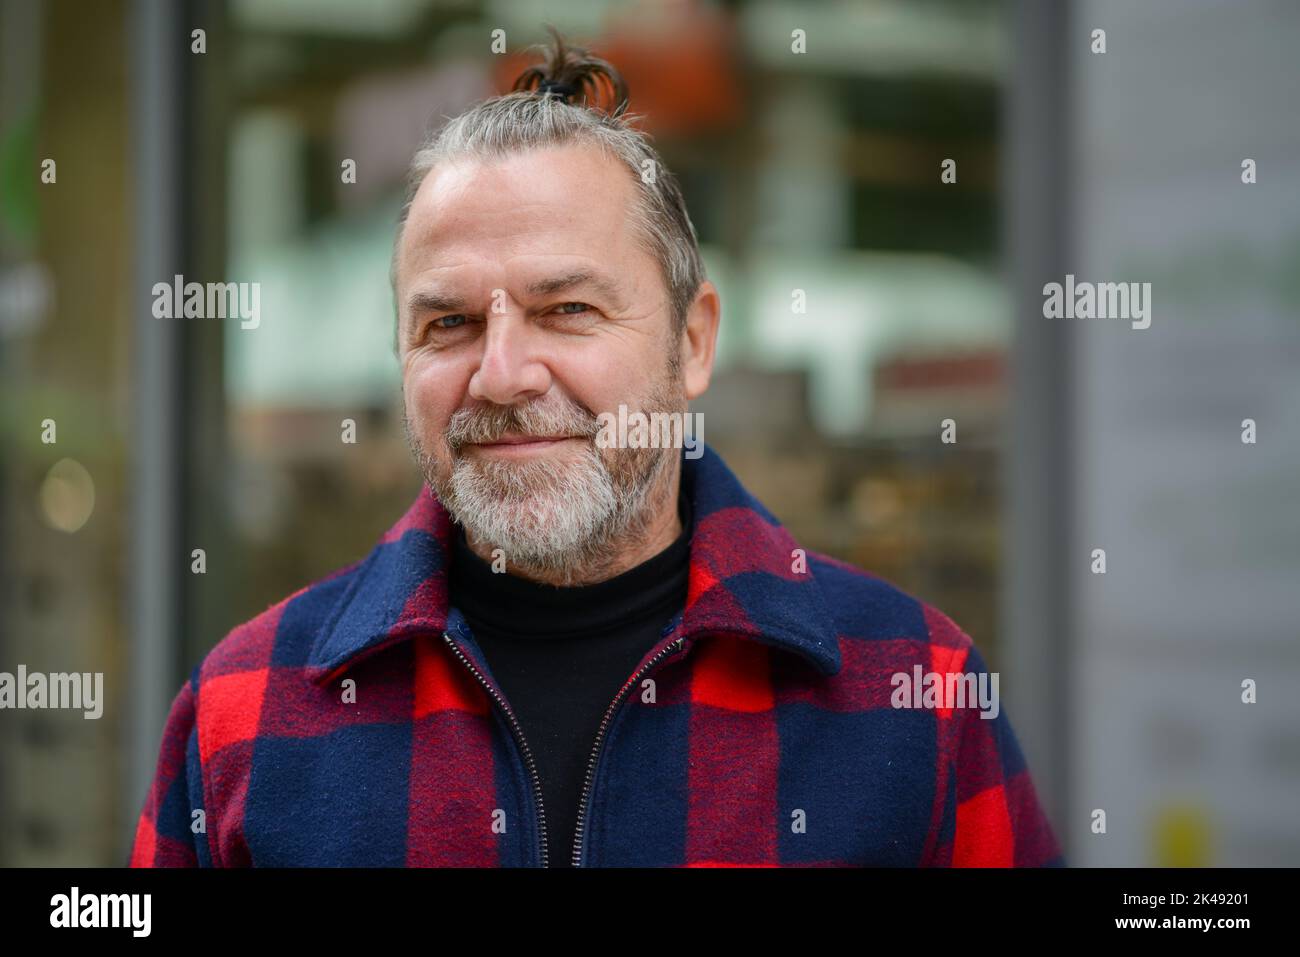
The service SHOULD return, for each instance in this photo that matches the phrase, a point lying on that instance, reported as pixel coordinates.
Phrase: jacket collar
(743, 579)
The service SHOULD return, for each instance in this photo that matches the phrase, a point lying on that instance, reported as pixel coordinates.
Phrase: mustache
(560, 417)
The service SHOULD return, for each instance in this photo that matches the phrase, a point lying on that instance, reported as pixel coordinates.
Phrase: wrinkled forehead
(566, 201)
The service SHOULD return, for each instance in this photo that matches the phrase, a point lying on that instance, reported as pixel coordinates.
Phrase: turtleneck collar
(521, 608)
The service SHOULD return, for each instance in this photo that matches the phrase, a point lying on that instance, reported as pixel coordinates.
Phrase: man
(572, 651)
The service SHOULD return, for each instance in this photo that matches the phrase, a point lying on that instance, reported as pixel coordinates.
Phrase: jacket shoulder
(987, 809)
(207, 741)
(282, 634)
(865, 606)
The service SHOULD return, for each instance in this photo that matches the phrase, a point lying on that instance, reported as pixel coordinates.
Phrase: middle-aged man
(572, 650)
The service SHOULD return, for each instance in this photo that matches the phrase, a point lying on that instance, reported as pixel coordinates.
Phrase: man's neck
(643, 541)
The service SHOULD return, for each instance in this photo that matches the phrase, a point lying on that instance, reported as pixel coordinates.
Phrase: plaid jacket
(357, 723)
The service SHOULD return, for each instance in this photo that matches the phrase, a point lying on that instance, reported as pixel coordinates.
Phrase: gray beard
(558, 521)
(565, 522)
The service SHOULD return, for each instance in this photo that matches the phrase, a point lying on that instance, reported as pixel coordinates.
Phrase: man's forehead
(521, 221)
(571, 189)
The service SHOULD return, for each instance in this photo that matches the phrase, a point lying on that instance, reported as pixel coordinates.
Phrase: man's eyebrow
(601, 284)
(438, 302)
(433, 302)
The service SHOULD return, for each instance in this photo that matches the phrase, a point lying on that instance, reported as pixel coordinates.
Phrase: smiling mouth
(523, 443)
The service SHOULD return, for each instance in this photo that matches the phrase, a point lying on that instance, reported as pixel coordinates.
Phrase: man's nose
(509, 369)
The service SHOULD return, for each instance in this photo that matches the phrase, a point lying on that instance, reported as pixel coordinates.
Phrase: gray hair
(542, 116)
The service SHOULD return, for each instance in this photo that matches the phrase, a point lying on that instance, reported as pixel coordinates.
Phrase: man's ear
(700, 339)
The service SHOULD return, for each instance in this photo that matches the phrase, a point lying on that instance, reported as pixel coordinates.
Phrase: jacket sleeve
(992, 816)
(165, 833)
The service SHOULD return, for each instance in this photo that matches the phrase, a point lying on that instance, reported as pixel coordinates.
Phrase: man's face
(526, 309)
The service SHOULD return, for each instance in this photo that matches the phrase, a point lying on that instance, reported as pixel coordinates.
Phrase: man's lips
(523, 443)
(526, 439)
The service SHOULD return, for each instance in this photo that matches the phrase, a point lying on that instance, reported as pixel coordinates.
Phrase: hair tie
(563, 90)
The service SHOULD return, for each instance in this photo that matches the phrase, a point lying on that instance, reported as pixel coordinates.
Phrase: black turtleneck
(561, 654)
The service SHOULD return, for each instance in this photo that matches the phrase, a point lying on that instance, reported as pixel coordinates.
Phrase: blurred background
(817, 171)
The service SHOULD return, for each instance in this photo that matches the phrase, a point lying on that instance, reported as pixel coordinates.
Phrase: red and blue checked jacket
(357, 723)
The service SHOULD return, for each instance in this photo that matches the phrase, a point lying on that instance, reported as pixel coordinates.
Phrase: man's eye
(449, 322)
(581, 308)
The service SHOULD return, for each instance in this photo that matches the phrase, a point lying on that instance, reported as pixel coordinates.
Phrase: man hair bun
(570, 72)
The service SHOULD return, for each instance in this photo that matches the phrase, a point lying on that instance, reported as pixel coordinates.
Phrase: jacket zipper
(519, 736)
(673, 646)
